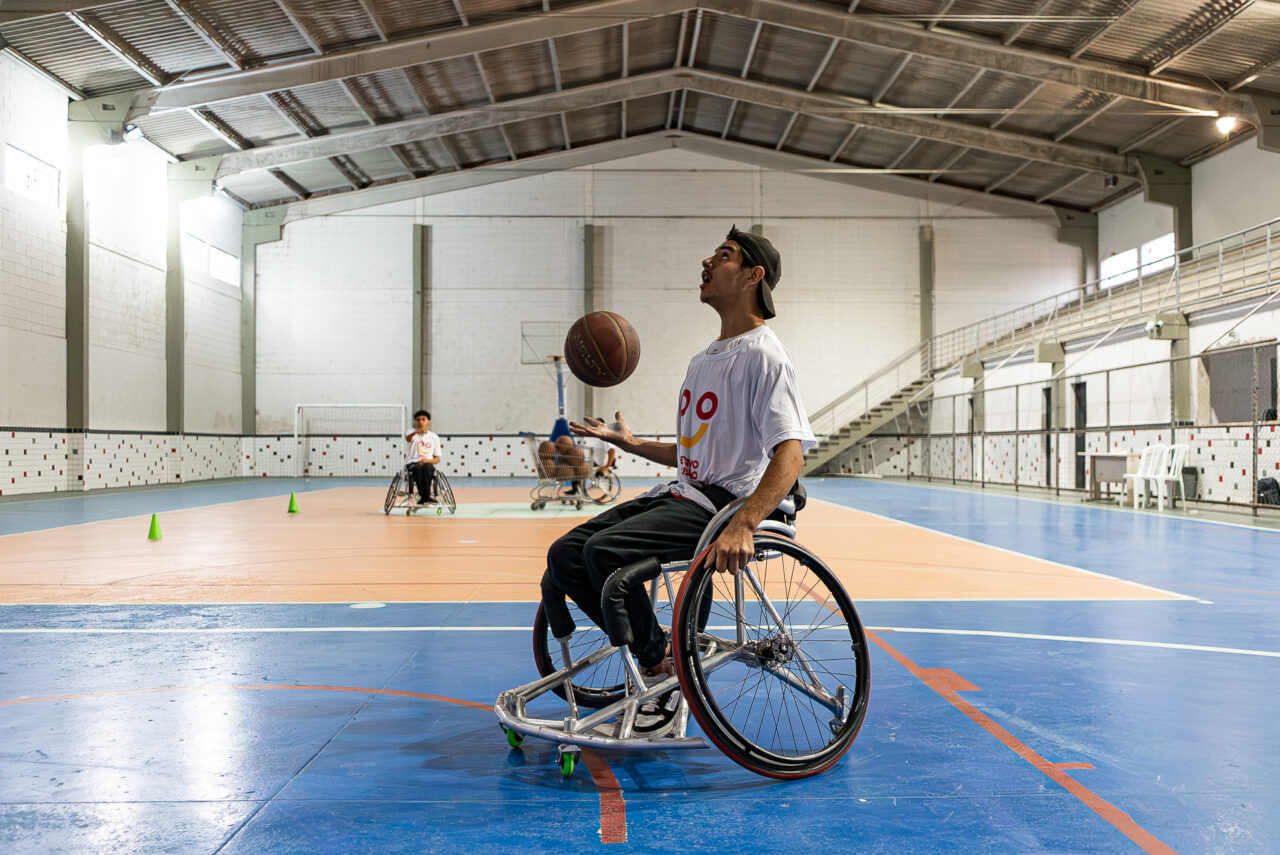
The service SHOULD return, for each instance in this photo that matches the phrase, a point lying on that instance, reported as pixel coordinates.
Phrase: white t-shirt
(596, 449)
(423, 446)
(738, 401)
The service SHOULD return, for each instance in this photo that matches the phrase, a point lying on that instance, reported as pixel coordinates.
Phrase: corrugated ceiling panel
(722, 43)
(380, 164)
(985, 16)
(1033, 179)
(72, 55)
(480, 11)
(992, 92)
(928, 154)
(1149, 34)
(162, 37)
(815, 137)
(592, 126)
(903, 10)
(652, 43)
(336, 23)
(181, 135)
(979, 168)
(926, 82)
(448, 84)
(1047, 112)
(1188, 137)
(1119, 124)
(520, 70)
(704, 113)
(256, 120)
(859, 70)
(646, 115)
(788, 57)
(329, 106)
(590, 57)
(387, 95)
(258, 188)
(406, 17)
(1251, 39)
(1062, 36)
(479, 147)
(535, 136)
(753, 123)
(317, 175)
(262, 28)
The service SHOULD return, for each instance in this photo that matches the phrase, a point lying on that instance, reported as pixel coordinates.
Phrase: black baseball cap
(758, 252)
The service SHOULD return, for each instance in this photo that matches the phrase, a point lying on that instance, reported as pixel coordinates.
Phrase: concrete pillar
(1166, 183)
(1173, 327)
(1268, 109)
(593, 258)
(1051, 352)
(421, 357)
(927, 269)
(192, 179)
(1080, 229)
(265, 225)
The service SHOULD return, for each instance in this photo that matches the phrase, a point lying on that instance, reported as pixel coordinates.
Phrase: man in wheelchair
(423, 456)
(742, 432)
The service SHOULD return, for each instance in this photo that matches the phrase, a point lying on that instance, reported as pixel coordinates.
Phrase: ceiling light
(1226, 124)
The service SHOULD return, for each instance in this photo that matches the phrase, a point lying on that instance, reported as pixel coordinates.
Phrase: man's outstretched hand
(617, 433)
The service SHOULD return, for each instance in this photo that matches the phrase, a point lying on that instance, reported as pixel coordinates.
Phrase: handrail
(1200, 274)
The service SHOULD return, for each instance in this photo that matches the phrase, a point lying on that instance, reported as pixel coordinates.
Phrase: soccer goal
(346, 440)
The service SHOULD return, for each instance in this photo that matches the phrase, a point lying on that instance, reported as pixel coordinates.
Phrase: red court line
(936, 679)
(613, 808)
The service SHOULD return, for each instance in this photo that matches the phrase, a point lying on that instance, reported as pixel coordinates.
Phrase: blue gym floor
(993, 726)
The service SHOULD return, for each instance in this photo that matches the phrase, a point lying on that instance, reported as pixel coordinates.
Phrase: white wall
(125, 189)
(503, 253)
(335, 315)
(1234, 190)
(1132, 222)
(33, 348)
(212, 313)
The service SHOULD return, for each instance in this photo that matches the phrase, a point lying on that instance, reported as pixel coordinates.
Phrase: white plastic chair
(1148, 464)
(1169, 474)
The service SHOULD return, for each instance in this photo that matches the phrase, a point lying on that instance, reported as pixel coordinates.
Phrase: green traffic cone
(154, 534)
(293, 503)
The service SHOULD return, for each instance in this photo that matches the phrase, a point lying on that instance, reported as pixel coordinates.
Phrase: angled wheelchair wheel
(444, 493)
(598, 686)
(603, 489)
(393, 492)
(779, 678)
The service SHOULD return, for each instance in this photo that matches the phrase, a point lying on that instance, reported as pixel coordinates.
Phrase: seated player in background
(423, 456)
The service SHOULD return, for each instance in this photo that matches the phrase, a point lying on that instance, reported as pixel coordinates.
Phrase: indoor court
(297, 297)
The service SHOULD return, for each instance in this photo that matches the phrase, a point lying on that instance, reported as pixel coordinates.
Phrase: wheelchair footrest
(596, 737)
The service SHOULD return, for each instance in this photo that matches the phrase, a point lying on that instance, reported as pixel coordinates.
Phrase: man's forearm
(659, 452)
(774, 485)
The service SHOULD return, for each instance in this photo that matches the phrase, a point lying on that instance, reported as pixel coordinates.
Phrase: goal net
(349, 440)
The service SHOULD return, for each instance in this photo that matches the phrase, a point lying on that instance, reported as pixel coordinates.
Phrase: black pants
(424, 476)
(579, 563)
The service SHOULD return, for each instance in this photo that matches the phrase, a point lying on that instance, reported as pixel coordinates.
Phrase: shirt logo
(705, 409)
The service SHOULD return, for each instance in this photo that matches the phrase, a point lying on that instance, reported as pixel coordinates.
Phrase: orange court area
(342, 548)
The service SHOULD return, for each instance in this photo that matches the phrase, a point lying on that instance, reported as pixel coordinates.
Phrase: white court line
(1078, 639)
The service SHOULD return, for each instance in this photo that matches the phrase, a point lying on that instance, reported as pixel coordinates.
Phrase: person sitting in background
(600, 457)
(423, 456)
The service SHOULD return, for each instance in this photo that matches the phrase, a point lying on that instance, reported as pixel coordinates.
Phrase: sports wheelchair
(401, 494)
(772, 662)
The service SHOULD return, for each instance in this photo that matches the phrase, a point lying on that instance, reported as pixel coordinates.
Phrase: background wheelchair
(566, 476)
(772, 663)
(401, 494)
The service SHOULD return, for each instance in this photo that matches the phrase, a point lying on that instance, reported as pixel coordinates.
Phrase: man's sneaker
(656, 717)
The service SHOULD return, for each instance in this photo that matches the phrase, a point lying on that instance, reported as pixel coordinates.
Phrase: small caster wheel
(566, 762)
(533, 506)
(514, 739)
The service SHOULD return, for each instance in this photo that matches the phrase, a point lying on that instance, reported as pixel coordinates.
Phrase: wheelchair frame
(552, 488)
(610, 724)
(400, 494)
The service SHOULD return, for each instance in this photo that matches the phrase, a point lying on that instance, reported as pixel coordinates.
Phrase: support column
(1268, 109)
(1080, 229)
(80, 136)
(593, 256)
(1166, 183)
(421, 317)
(265, 225)
(192, 179)
(927, 260)
(1173, 328)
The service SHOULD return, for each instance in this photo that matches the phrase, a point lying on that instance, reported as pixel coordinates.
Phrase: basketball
(602, 349)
